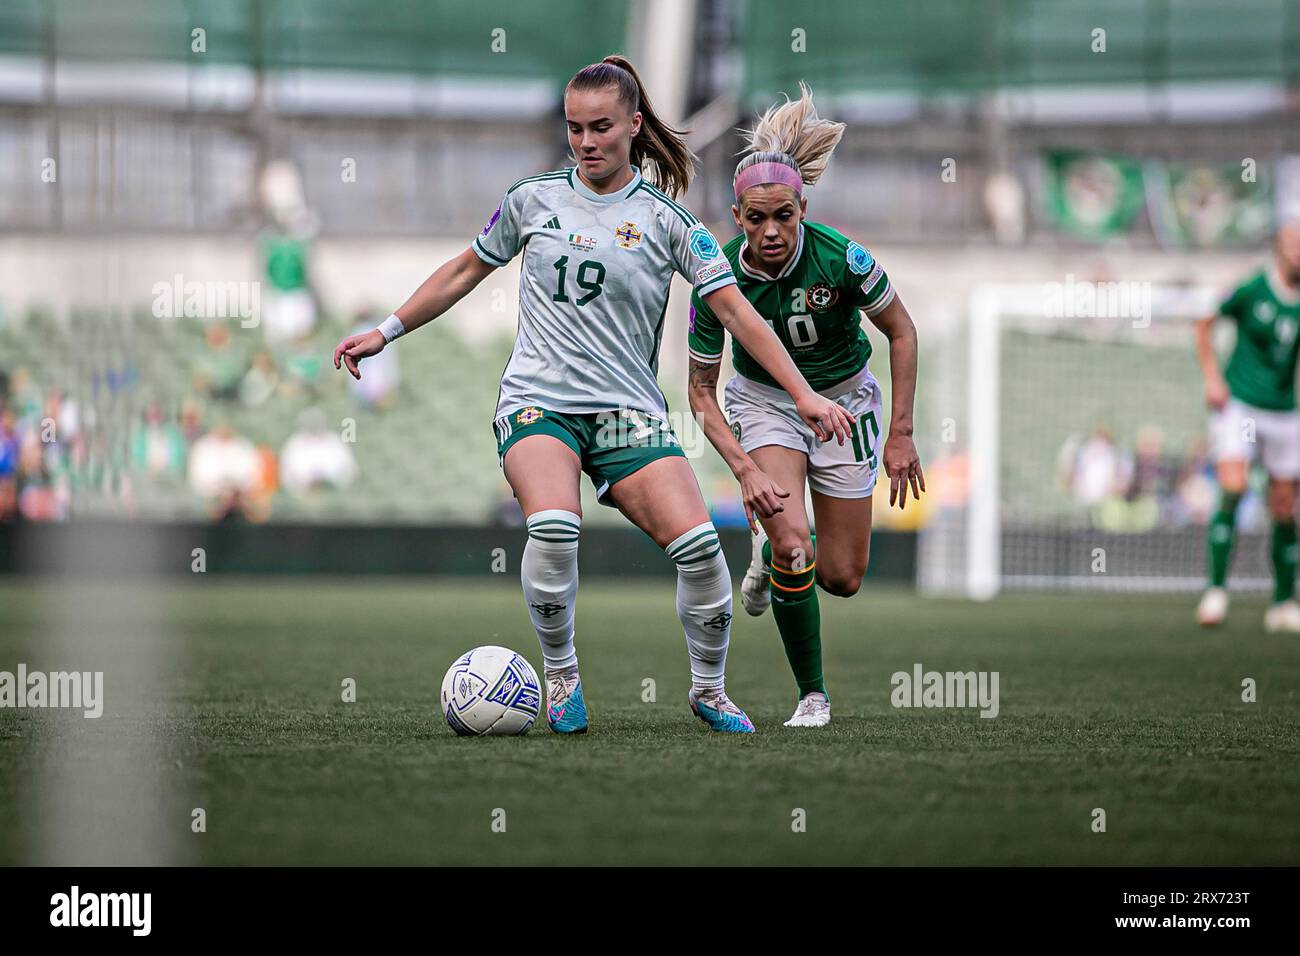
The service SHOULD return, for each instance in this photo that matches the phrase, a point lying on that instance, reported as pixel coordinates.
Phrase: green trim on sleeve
(540, 177)
(681, 211)
(715, 284)
(490, 258)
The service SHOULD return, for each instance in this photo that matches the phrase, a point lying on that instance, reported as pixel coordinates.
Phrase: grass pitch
(225, 695)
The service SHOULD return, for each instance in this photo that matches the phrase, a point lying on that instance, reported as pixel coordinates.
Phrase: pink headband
(762, 173)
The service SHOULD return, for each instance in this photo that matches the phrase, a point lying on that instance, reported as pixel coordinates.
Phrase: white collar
(585, 191)
(1284, 293)
(786, 269)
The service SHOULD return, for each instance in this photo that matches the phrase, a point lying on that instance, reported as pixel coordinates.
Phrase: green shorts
(610, 445)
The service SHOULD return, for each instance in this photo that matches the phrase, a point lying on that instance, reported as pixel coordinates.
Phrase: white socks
(549, 572)
(703, 602)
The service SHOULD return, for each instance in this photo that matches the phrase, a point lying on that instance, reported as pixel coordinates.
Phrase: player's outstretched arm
(738, 317)
(450, 283)
(1216, 389)
(902, 464)
(762, 495)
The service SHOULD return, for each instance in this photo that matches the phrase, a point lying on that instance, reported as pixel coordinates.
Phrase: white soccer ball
(491, 690)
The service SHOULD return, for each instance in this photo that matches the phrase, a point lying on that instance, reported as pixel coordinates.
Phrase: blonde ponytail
(792, 134)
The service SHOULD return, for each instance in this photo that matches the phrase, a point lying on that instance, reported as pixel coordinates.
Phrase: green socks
(799, 620)
(1219, 537)
(1283, 548)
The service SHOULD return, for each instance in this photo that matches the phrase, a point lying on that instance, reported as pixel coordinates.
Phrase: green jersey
(812, 306)
(1261, 369)
(286, 262)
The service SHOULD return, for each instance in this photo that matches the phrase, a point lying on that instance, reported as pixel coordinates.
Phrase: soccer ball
(490, 690)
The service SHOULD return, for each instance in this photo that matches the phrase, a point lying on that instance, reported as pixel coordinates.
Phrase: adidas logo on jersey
(552, 223)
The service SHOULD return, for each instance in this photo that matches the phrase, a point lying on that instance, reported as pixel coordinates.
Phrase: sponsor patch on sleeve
(491, 222)
(872, 278)
(712, 271)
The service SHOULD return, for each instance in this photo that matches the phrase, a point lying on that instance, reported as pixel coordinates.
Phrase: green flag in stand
(1091, 195)
(1208, 205)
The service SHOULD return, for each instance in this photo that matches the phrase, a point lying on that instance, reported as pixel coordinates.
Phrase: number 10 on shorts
(864, 441)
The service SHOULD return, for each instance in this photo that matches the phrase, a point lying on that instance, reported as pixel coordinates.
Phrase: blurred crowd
(223, 410)
(35, 466)
(52, 445)
(1137, 487)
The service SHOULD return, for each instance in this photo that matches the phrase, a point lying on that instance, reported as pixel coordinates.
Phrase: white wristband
(391, 328)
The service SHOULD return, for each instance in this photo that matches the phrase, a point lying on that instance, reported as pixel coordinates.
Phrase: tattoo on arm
(704, 375)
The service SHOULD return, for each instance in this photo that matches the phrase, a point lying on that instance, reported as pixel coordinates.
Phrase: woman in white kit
(600, 241)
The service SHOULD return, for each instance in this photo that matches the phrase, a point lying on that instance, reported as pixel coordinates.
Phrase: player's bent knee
(1281, 501)
(793, 552)
(842, 585)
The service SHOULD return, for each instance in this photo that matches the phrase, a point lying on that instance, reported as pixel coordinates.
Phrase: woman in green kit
(1253, 413)
(810, 283)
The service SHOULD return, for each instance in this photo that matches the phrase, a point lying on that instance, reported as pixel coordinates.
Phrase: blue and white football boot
(715, 708)
(566, 711)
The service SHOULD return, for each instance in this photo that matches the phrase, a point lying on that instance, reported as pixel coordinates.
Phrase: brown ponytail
(658, 149)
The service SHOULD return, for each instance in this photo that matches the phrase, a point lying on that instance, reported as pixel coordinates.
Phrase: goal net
(1082, 447)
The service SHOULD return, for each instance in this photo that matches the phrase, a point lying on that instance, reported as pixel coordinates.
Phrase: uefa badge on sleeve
(859, 259)
(703, 245)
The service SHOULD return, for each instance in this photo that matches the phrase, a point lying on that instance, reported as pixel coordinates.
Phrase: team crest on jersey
(859, 259)
(491, 222)
(1265, 311)
(529, 415)
(582, 243)
(629, 236)
(821, 297)
(703, 245)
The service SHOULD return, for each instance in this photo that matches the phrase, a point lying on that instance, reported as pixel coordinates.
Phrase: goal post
(1084, 454)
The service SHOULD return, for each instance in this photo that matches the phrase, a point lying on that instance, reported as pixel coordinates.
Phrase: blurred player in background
(579, 393)
(1253, 405)
(809, 282)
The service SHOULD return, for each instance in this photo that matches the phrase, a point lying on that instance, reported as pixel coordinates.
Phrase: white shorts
(761, 415)
(1239, 431)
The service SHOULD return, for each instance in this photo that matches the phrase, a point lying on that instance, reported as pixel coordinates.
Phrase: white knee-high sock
(549, 572)
(703, 602)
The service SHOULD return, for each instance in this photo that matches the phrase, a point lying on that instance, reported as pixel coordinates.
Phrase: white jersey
(593, 291)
